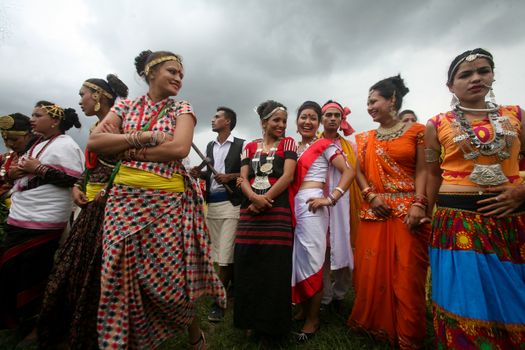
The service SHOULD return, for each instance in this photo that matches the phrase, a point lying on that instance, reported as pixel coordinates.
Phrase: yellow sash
(92, 189)
(354, 191)
(139, 178)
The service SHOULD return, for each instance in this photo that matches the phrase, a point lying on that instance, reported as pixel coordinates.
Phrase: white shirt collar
(229, 139)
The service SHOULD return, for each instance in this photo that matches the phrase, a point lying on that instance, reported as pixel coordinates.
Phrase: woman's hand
(15, 173)
(101, 196)
(509, 199)
(415, 217)
(261, 202)
(239, 181)
(28, 165)
(79, 197)
(380, 208)
(316, 203)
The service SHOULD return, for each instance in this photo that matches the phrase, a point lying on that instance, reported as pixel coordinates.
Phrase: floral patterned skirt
(155, 264)
(478, 276)
(69, 309)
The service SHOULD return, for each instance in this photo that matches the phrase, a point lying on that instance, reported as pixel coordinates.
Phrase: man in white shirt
(223, 207)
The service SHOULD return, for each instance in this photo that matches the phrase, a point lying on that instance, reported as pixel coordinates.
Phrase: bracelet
(422, 199)
(371, 197)
(332, 199)
(340, 190)
(417, 204)
(41, 170)
(163, 134)
(366, 191)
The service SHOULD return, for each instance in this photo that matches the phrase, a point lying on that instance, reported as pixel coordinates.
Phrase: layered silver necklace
(472, 147)
(261, 183)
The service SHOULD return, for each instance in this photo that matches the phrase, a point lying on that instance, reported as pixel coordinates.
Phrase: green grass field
(333, 334)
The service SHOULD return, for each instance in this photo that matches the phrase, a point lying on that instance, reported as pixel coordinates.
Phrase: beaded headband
(269, 115)
(6, 133)
(55, 111)
(98, 89)
(160, 60)
(469, 58)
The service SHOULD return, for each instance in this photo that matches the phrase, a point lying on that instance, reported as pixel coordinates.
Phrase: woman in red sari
(391, 256)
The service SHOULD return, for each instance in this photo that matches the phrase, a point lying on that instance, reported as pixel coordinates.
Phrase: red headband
(345, 126)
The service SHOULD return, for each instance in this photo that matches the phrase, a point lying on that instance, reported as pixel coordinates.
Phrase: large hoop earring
(393, 112)
(454, 102)
(96, 97)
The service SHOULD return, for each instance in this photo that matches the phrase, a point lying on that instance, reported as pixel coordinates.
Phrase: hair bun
(140, 61)
(400, 85)
(119, 88)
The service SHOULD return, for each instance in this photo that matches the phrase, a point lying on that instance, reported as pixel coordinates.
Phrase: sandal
(200, 343)
(303, 337)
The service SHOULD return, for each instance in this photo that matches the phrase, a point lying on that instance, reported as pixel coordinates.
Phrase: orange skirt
(389, 276)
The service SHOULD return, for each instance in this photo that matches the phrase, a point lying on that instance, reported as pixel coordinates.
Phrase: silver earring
(492, 97)
(454, 103)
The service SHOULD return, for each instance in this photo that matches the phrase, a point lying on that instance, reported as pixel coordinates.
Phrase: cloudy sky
(239, 53)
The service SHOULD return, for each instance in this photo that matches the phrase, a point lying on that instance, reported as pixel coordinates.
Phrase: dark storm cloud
(240, 53)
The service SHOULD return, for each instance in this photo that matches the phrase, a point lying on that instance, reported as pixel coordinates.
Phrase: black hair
(147, 56)
(268, 106)
(230, 114)
(407, 111)
(392, 87)
(113, 86)
(21, 122)
(70, 117)
(454, 66)
(310, 105)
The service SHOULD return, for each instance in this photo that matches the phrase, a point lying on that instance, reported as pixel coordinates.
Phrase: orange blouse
(390, 167)
(456, 169)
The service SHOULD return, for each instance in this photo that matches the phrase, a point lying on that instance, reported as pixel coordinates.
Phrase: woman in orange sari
(391, 256)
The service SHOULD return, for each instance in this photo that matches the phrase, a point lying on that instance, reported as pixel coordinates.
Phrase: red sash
(303, 164)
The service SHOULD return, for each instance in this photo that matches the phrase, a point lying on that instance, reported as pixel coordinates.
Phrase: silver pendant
(266, 168)
(261, 183)
(488, 175)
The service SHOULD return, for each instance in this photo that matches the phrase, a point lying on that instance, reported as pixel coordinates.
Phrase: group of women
(448, 194)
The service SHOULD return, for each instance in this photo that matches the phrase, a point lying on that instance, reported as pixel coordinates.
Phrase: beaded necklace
(390, 133)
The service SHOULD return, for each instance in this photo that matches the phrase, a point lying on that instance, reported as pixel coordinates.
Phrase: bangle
(417, 204)
(41, 170)
(371, 197)
(332, 199)
(421, 199)
(340, 190)
(366, 191)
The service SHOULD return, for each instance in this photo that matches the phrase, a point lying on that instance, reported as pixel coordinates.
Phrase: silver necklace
(261, 183)
(473, 147)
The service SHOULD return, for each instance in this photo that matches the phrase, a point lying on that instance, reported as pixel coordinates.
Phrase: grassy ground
(333, 334)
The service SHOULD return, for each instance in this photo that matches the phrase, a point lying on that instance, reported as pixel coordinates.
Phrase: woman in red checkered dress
(155, 250)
